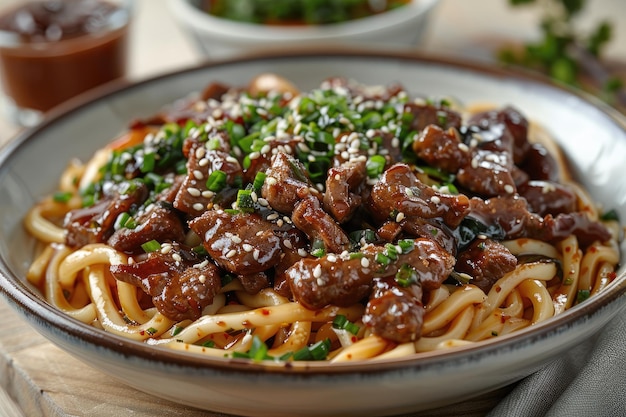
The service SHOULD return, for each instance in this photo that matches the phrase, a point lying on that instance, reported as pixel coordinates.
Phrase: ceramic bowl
(591, 136)
(217, 37)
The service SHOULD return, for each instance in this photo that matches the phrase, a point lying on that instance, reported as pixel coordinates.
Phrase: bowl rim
(38, 312)
(243, 31)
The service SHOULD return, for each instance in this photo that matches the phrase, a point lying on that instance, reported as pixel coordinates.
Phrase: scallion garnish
(375, 166)
(406, 276)
(341, 322)
(62, 197)
(151, 246)
(216, 181)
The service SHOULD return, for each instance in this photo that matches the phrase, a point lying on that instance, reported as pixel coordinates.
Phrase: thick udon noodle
(79, 283)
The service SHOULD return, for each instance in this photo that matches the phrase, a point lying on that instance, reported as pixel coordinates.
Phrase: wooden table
(38, 379)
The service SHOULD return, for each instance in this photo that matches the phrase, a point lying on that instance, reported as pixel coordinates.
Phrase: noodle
(328, 225)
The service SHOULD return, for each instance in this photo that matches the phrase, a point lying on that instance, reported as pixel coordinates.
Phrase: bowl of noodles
(345, 229)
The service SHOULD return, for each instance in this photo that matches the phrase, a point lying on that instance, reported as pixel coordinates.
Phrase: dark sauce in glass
(53, 50)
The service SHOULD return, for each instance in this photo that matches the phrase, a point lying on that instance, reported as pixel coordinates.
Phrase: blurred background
(576, 41)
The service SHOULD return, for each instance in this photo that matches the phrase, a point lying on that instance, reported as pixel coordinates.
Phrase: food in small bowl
(224, 28)
(216, 251)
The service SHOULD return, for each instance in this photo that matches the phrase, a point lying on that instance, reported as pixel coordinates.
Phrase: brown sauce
(58, 49)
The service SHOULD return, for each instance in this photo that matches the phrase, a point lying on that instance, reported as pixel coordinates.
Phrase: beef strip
(442, 149)
(343, 187)
(424, 115)
(486, 261)
(393, 312)
(512, 215)
(546, 197)
(400, 191)
(158, 222)
(95, 224)
(345, 280)
(180, 283)
(194, 195)
(242, 243)
(286, 183)
(311, 219)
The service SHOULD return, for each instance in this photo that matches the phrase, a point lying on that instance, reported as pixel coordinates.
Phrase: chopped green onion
(151, 246)
(62, 197)
(147, 165)
(317, 248)
(341, 322)
(582, 295)
(406, 245)
(375, 166)
(382, 259)
(151, 331)
(391, 251)
(216, 181)
(209, 344)
(316, 352)
(259, 179)
(406, 276)
(245, 201)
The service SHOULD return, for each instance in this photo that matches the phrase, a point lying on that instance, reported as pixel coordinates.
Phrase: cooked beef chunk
(286, 183)
(486, 261)
(310, 218)
(344, 280)
(159, 221)
(96, 224)
(400, 191)
(343, 186)
(241, 243)
(442, 149)
(546, 197)
(180, 283)
(393, 312)
(512, 215)
(427, 114)
(194, 195)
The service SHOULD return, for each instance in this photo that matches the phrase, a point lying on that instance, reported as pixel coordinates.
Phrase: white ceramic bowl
(382, 388)
(216, 37)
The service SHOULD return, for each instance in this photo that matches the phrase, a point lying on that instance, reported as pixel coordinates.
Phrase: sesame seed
(474, 163)
(203, 162)
(279, 222)
(435, 200)
(176, 257)
(247, 247)
(409, 192)
(198, 206)
(509, 189)
(166, 248)
(202, 264)
(463, 147)
(255, 254)
(395, 142)
(235, 239)
(287, 244)
(263, 202)
(331, 258)
(231, 253)
(232, 160)
(194, 192)
(254, 155)
(365, 263)
(208, 194)
(200, 152)
(302, 252)
(302, 146)
(266, 149)
(317, 271)
(198, 174)
(399, 217)
(271, 181)
(272, 216)
(202, 279)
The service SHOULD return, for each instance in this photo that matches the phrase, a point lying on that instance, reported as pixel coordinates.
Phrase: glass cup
(52, 50)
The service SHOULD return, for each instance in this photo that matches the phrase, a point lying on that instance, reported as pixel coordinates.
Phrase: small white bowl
(402, 27)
